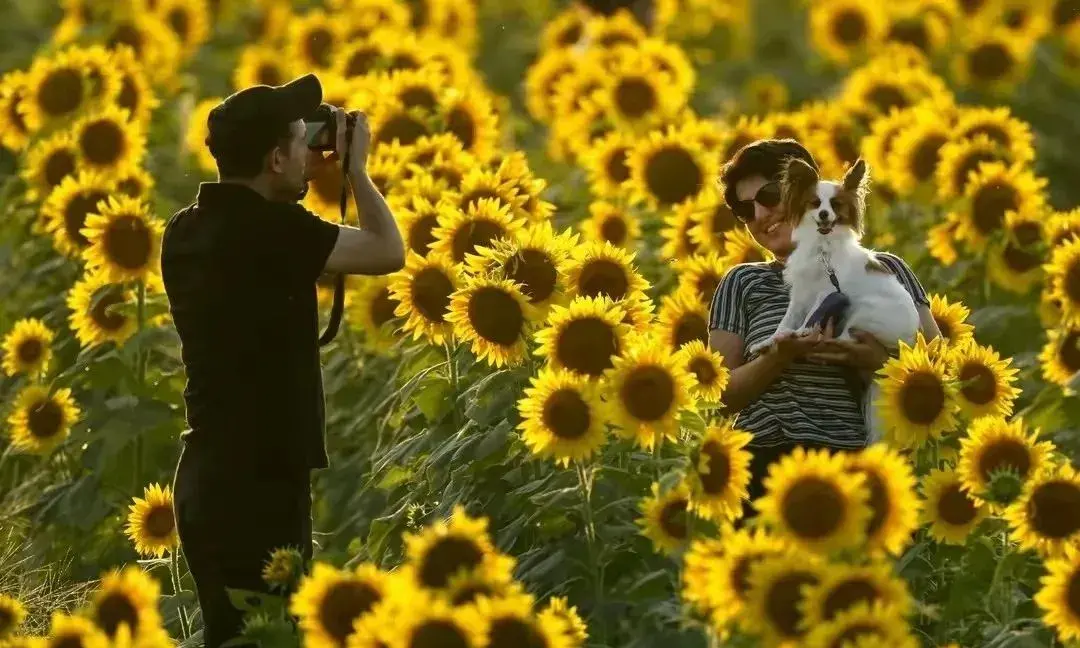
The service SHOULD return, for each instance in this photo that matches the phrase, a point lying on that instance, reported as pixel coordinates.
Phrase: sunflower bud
(283, 569)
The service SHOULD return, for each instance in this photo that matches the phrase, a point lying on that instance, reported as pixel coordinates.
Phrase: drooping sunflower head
(707, 371)
(584, 336)
(124, 240)
(778, 584)
(998, 457)
(462, 231)
(422, 290)
(511, 623)
(683, 318)
(372, 310)
(494, 316)
(665, 518)
(1057, 598)
(918, 401)
(959, 159)
(48, 162)
(127, 597)
(559, 610)
(448, 548)
(563, 416)
(1046, 517)
(12, 615)
(916, 152)
(676, 234)
(844, 587)
(719, 472)
(667, 169)
(536, 259)
(865, 624)
(894, 506)
(1063, 280)
(41, 419)
(842, 30)
(986, 381)
(96, 310)
(992, 59)
(740, 247)
(712, 220)
(949, 510)
(951, 319)
(283, 569)
(1062, 227)
(27, 348)
(151, 525)
(612, 223)
(135, 94)
(329, 601)
(108, 140)
(14, 133)
(1060, 355)
(701, 273)
(647, 388)
(600, 269)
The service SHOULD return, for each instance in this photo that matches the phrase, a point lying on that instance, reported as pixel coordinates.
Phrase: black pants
(229, 522)
(760, 460)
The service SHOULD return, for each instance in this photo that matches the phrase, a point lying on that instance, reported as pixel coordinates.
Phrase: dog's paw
(757, 348)
(806, 330)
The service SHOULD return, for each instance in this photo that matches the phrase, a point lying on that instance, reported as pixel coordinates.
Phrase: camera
(321, 129)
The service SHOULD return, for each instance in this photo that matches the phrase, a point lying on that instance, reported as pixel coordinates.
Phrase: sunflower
(959, 160)
(429, 621)
(152, 42)
(765, 94)
(666, 169)
(560, 611)
(606, 164)
(720, 472)
(777, 586)
(151, 525)
(372, 310)
(665, 518)
(844, 587)
(313, 38)
(997, 457)
(746, 129)
(676, 234)
(124, 240)
(635, 92)
(599, 269)
(12, 614)
(611, 223)
(27, 348)
(56, 88)
(136, 182)
(1060, 356)
(14, 134)
(915, 24)
(41, 419)
(514, 168)
(536, 258)
(196, 134)
(878, 145)
(701, 274)
(471, 117)
(951, 319)
(740, 247)
(1056, 597)
(647, 388)
(135, 94)
(188, 20)
(711, 219)
(843, 29)
(449, 548)
(1046, 517)
(916, 151)
(48, 162)
(986, 381)
(917, 401)
(992, 59)
(1062, 227)
(878, 87)
(894, 507)
(511, 623)
(1063, 280)
(701, 580)
(127, 597)
(95, 316)
(864, 624)
(462, 231)
(940, 241)
(494, 316)
(683, 318)
(329, 600)
(1049, 309)
(71, 631)
(259, 65)
(947, 508)
(1012, 134)
(709, 376)
(541, 79)
(108, 141)
(284, 568)
(1027, 21)
(562, 416)
(585, 336)
(563, 30)
(485, 184)
(414, 89)
(423, 290)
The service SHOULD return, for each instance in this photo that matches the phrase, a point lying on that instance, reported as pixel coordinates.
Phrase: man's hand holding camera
(354, 140)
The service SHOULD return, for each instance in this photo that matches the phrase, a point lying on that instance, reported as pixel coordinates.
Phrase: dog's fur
(827, 220)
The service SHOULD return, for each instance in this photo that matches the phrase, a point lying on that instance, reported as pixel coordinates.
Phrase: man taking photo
(240, 267)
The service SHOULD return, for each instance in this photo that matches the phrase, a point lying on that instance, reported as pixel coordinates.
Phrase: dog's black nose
(823, 215)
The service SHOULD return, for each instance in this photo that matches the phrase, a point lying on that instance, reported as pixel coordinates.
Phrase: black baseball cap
(251, 119)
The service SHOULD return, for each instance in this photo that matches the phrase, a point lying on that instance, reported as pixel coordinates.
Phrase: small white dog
(828, 224)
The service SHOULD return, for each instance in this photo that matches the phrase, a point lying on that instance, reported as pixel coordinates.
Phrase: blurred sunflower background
(527, 442)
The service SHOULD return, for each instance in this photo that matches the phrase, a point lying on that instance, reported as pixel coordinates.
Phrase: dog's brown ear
(799, 174)
(857, 178)
(797, 186)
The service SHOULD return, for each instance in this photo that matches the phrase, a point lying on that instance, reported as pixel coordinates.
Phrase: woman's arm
(749, 380)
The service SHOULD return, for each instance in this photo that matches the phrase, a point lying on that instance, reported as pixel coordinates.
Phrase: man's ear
(276, 159)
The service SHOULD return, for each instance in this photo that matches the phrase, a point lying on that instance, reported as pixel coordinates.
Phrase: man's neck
(259, 185)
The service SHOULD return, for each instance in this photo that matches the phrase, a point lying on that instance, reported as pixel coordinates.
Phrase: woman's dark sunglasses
(768, 196)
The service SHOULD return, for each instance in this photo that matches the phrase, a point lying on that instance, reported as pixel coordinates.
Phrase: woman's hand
(865, 352)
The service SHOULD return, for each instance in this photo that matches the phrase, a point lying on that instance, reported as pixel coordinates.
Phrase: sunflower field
(526, 439)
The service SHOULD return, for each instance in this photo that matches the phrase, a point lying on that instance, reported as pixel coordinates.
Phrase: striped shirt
(809, 402)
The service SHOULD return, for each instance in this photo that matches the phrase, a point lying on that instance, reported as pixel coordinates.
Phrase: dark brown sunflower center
(1069, 352)
(476, 195)
(113, 610)
(922, 398)
(102, 142)
(129, 94)
(886, 97)
(461, 124)
(469, 593)
(59, 165)
(613, 229)
(319, 45)
(854, 632)
(635, 97)
(1004, 454)
(603, 277)
(706, 286)
(783, 599)
(648, 393)
(672, 175)
(180, 22)
(847, 594)
(878, 501)
(61, 92)
(718, 466)
(1072, 593)
(990, 62)
(382, 307)
(704, 370)
(78, 208)
(448, 557)
(1065, 13)
(945, 326)
(128, 242)
(101, 310)
(402, 127)
(813, 508)
(912, 32)
(421, 234)
(269, 74)
(1054, 510)
(7, 620)
(496, 316)
(361, 62)
(474, 234)
(510, 632)
(980, 385)
(587, 345)
(690, 327)
(1072, 282)
(418, 97)
(673, 519)
(536, 273)
(969, 165)
(615, 165)
(344, 603)
(571, 34)
(44, 419)
(431, 290)
(438, 634)
(567, 414)
(849, 27)
(924, 160)
(30, 350)
(159, 523)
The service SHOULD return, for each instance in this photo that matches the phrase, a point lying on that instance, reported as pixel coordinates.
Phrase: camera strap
(338, 307)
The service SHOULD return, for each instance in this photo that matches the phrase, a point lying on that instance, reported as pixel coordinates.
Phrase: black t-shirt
(240, 274)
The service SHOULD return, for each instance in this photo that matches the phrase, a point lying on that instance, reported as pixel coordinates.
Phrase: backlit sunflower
(719, 472)
(73, 631)
(994, 446)
(564, 29)
(647, 387)
(916, 154)
(465, 589)
(915, 24)
(152, 42)
(709, 376)
(1057, 597)
(846, 29)
(48, 162)
(606, 163)
(941, 241)
(391, 122)
(151, 525)
(666, 518)
(1012, 134)
(422, 290)
(876, 88)
(107, 141)
(894, 506)
(992, 59)
(1062, 227)
(813, 501)
(484, 184)
(431, 622)
(12, 614)
(666, 169)
(471, 117)
(844, 586)
(125, 242)
(702, 583)
(986, 381)
(1049, 309)
(494, 316)
(56, 88)
(712, 220)
(135, 94)
(542, 77)
(917, 401)
(26, 348)
(127, 597)
(1060, 356)
(462, 231)
(283, 569)
(862, 625)
(417, 88)
(951, 319)
(314, 37)
(585, 336)
(636, 92)
(745, 129)
(197, 131)
(740, 247)
(611, 223)
(95, 316)
(14, 134)
(449, 548)
(136, 182)
(535, 258)
(777, 587)
(330, 600)
(188, 20)
(878, 145)
(41, 419)
(1063, 280)
(372, 310)
(559, 610)
(676, 234)
(562, 416)
(701, 273)
(958, 161)
(600, 269)
(511, 623)
(765, 94)
(724, 582)
(260, 65)
(1046, 517)
(682, 319)
(514, 167)
(1026, 20)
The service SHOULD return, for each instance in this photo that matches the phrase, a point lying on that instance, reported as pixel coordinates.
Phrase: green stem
(174, 571)
(656, 458)
(585, 483)
(451, 363)
(140, 371)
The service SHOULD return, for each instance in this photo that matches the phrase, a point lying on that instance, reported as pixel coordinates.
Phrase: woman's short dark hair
(765, 158)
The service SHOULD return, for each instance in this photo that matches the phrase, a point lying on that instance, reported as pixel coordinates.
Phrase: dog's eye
(815, 203)
(836, 204)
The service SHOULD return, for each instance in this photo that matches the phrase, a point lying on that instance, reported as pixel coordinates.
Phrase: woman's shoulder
(750, 269)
